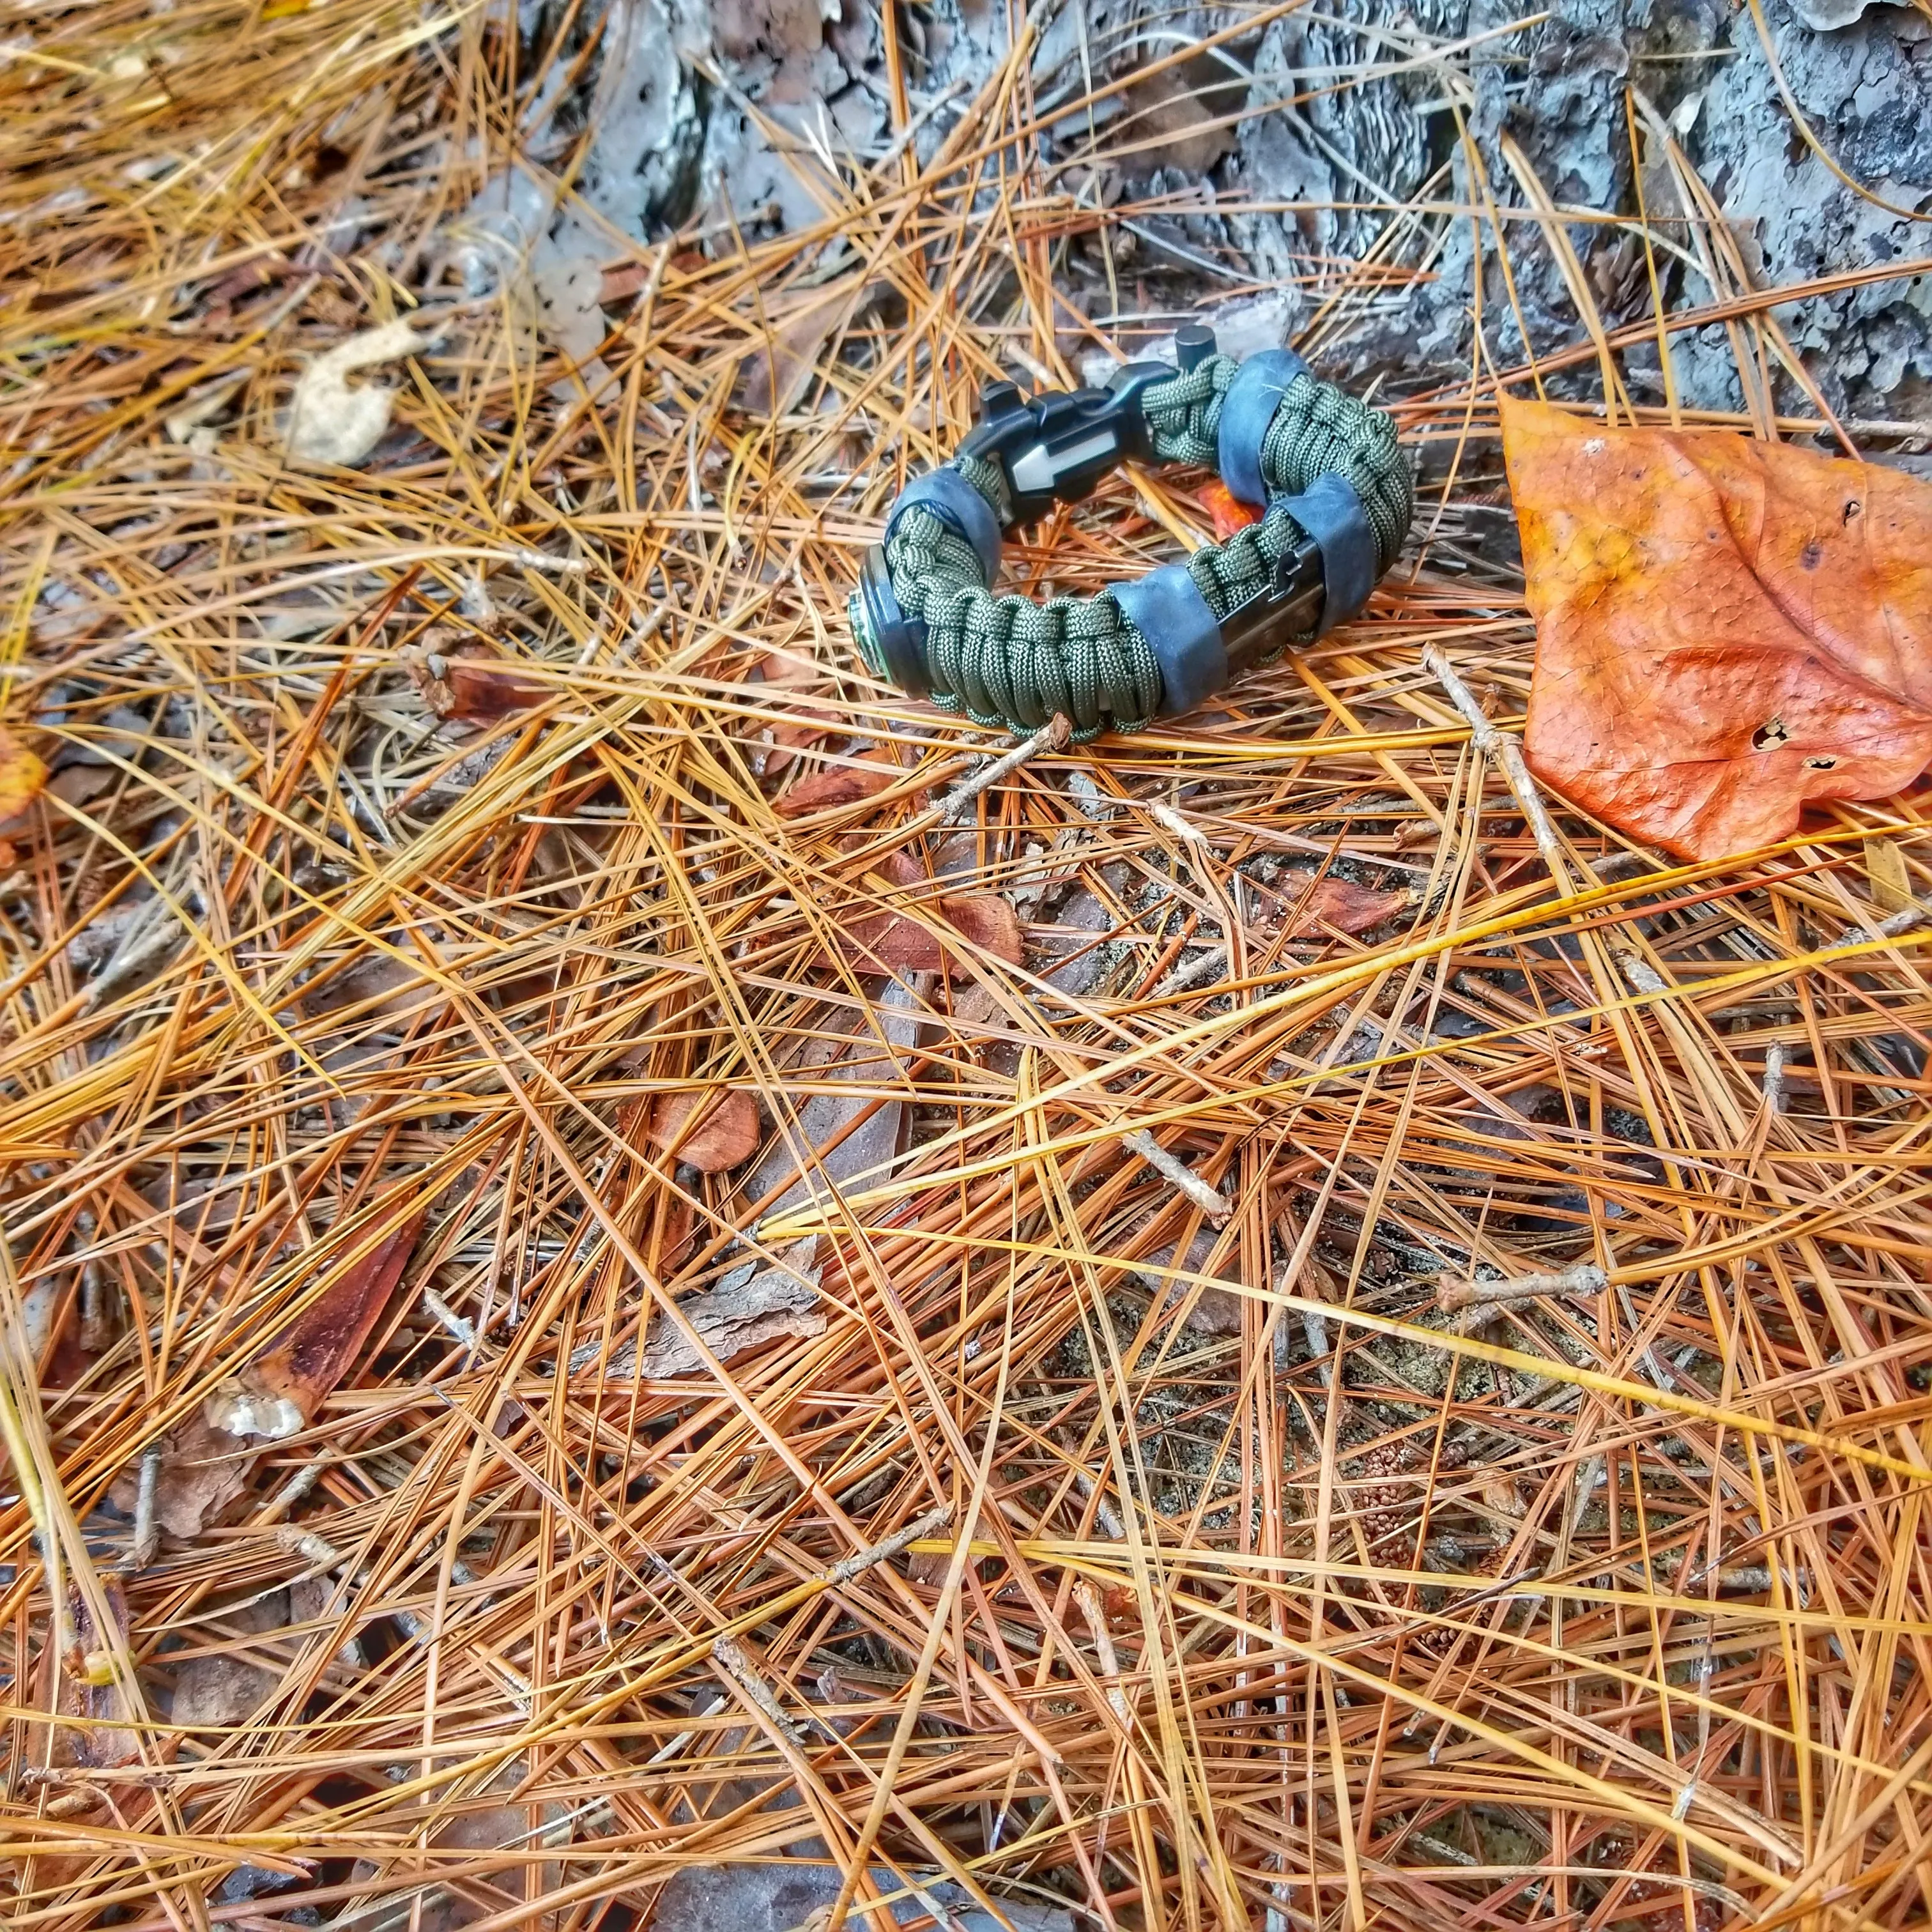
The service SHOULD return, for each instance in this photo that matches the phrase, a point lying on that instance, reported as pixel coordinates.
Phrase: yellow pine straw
(1342, 979)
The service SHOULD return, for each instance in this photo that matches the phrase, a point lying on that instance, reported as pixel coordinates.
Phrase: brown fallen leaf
(794, 675)
(788, 741)
(205, 1463)
(22, 776)
(1175, 119)
(280, 1391)
(840, 784)
(844, 1128)
(897, 942)
(988, 920)
(774, 373)
(1330, 901)
(472, 679)
(725, 1133)
(1726, 629)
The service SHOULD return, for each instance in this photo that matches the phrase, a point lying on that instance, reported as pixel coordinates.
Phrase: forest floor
(539, 1386)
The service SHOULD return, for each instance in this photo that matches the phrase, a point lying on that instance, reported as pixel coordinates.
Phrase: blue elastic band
(1332, 514)
(962, 510)
(1167, 610)
(1246, 410)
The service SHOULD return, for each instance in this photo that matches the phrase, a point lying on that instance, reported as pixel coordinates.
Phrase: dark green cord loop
(1007, 661)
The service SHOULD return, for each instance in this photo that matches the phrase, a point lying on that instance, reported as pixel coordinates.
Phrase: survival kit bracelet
(1338, 496)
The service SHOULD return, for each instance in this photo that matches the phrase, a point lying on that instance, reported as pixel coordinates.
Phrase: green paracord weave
(1007, 661)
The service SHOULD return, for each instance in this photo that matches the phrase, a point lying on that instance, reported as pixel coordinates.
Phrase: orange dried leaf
(22, 775)
(788, 741)
(1726, 629)
(724, 1134)
(1226, 511)
(838, 784)
(1349, 908)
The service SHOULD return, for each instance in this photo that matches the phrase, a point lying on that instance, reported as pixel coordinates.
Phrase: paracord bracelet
(1339, 497)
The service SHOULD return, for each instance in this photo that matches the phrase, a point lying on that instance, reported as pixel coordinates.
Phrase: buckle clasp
(1289, 607)
(1054, 447)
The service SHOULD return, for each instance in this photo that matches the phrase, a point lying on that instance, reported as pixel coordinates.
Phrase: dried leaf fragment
(472, 679)
(206, 1461)
(988, 920)
(1726, 629)
(329, 422)
(1226, 512)
(1891, 884)
(774, 373)
(744, 1311)
(282, 1388)
(901, 942)
(80, 1686)
(732, 1322)
(1333, 902)
(839, 784)
(724, 1132)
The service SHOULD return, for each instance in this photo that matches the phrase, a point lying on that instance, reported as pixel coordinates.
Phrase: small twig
(312, 1549)
(1055, 737)
(1215, 1206)
(292, 1492)
(1507, 753)
(537, 559)
(1776, 1058)
(464, 1331)
(1903, 920)
(1643, 977)
(1193, 973)
(733, 1664)
(1180, 827)
(1585, 1278)
(856, 1564)
(1094, 1611)
(147, 1533)
(1105, 1515)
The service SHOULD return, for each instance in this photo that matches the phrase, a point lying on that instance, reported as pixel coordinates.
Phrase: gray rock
(781, 1894)
(1826, 14)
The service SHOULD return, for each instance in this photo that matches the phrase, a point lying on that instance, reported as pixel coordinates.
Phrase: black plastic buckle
(892, 644)
(1290, 608)
(1055, 447)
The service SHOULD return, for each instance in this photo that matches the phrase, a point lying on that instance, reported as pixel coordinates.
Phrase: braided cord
(1005, 660)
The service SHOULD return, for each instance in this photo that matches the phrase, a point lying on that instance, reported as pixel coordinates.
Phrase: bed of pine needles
(1507, 1505)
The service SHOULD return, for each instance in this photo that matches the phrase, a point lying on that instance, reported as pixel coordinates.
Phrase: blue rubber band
(1167, 610)
(962, 510)
(1246, 410)
(1331, 512)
